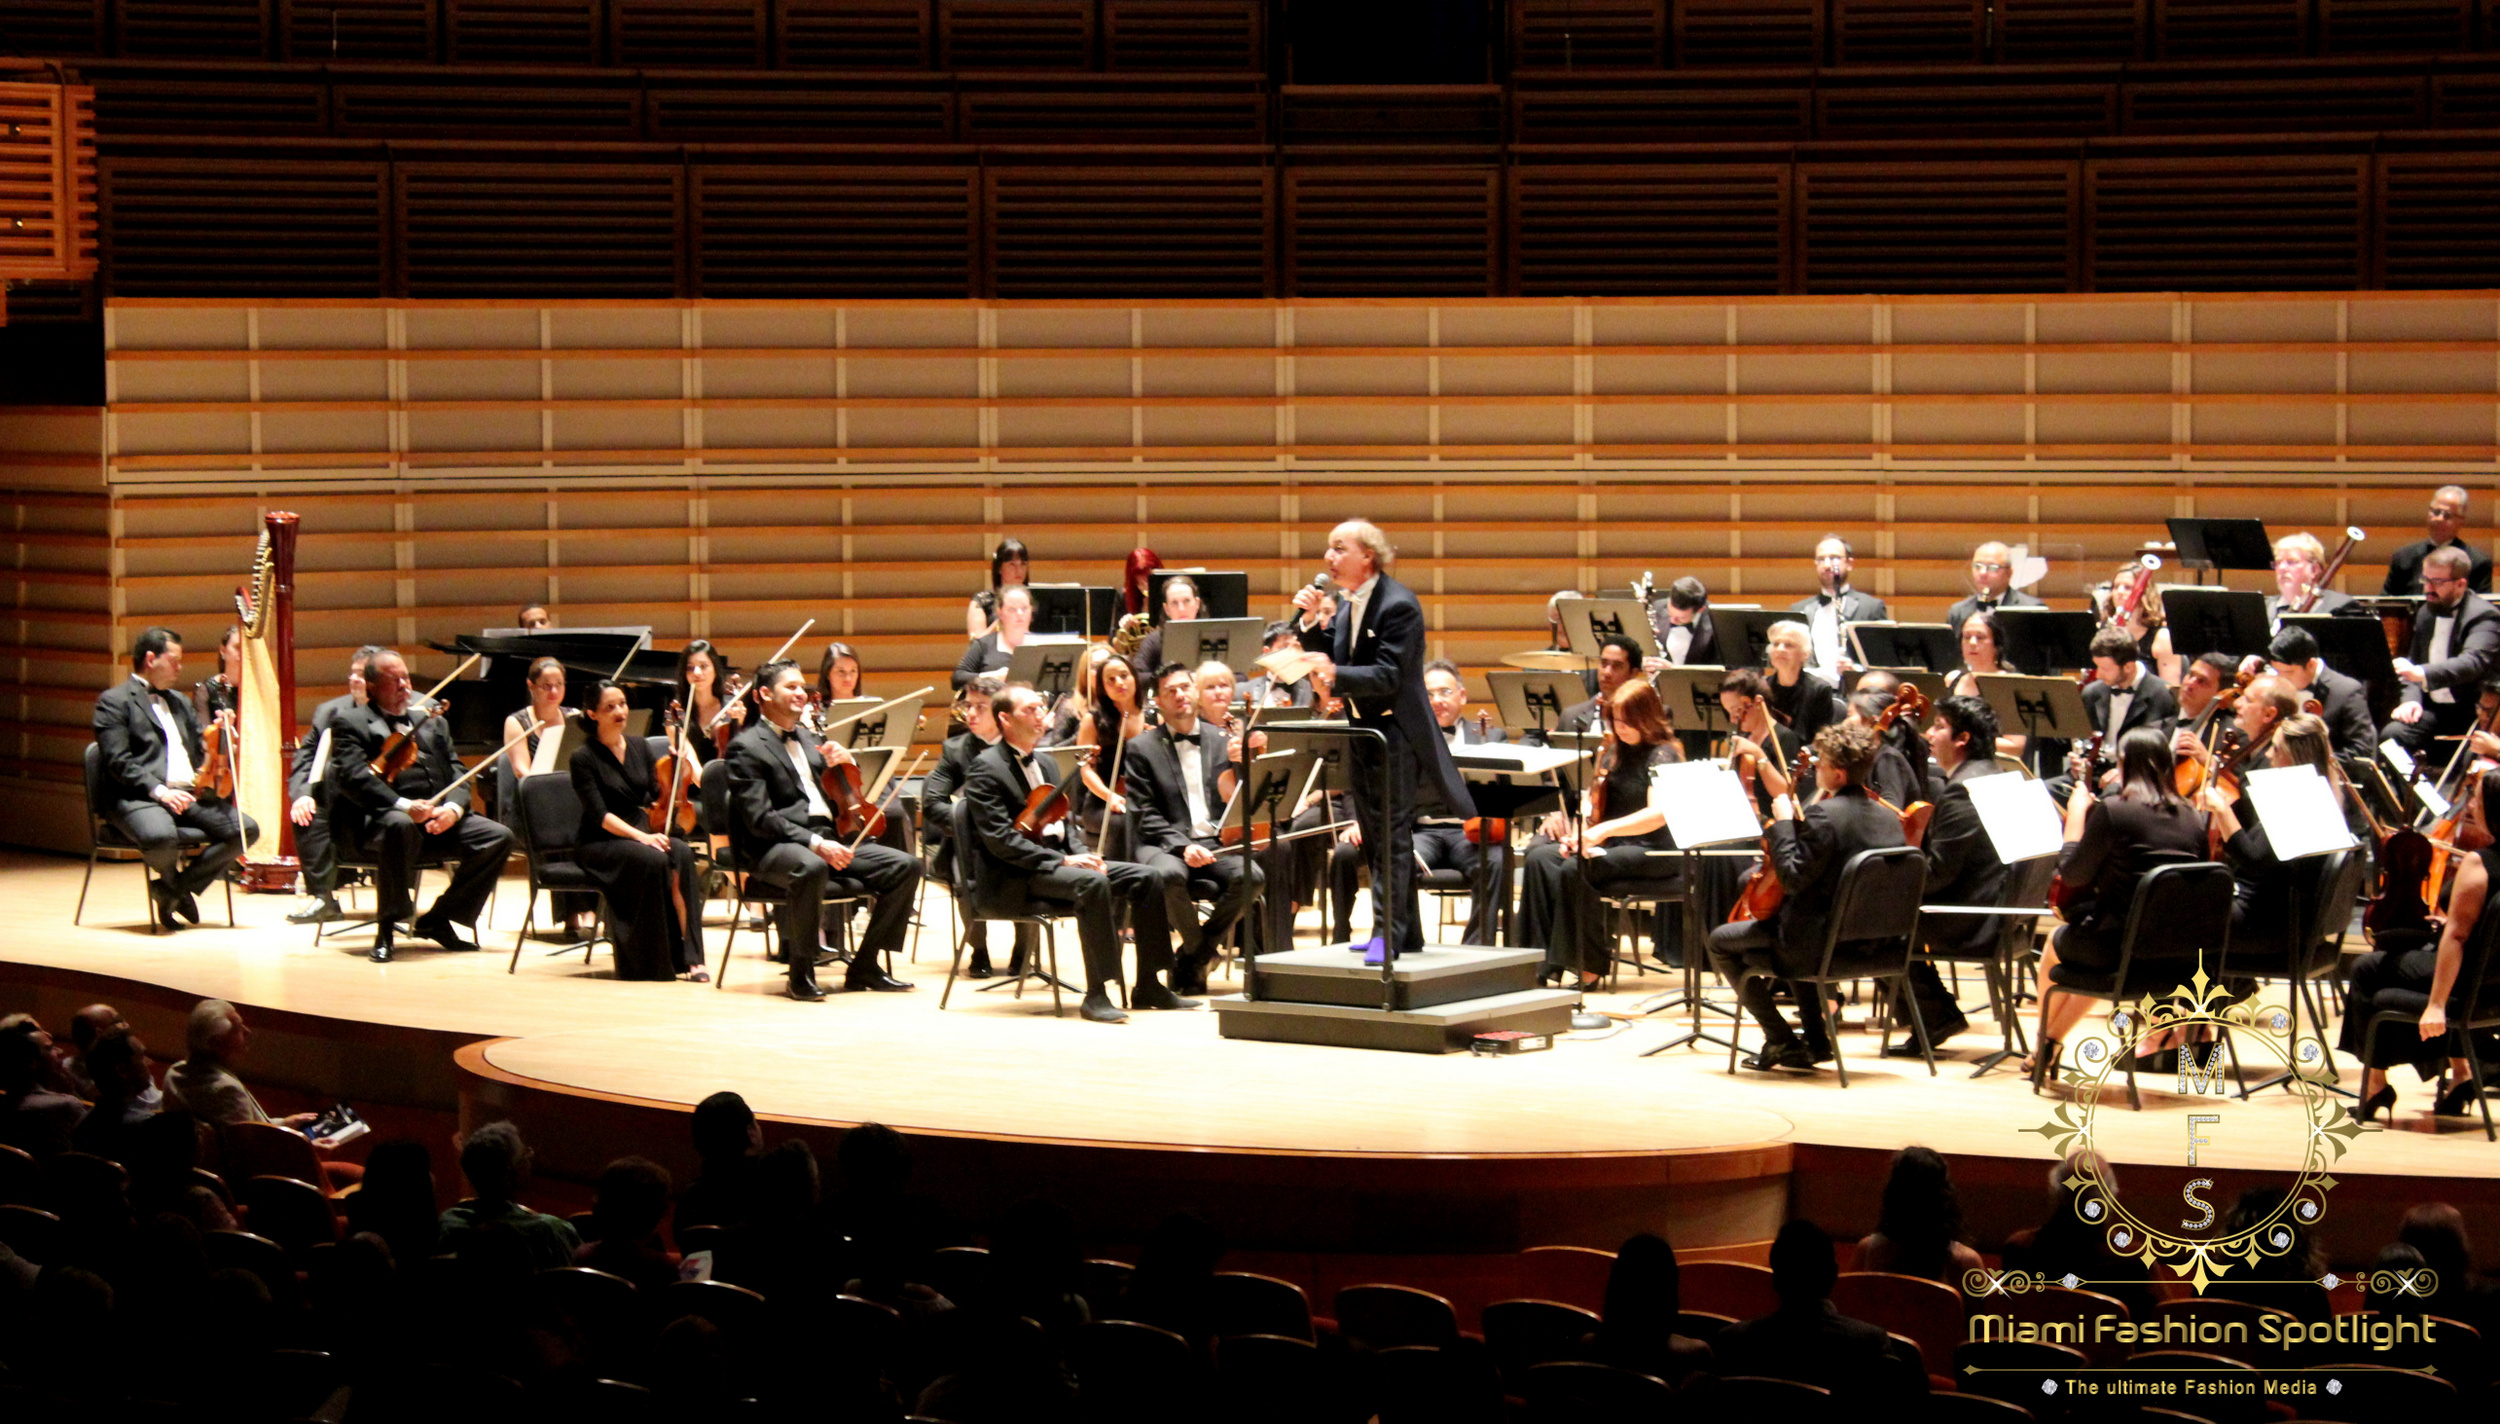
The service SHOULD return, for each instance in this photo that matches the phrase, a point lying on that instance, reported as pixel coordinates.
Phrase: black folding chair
(104, 833)
(550, 829)
(1875, 911)
(974, 906)
(2314, 937)
(2179, 918)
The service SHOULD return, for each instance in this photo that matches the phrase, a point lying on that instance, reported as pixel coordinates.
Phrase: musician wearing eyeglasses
(2455, 649)
(2445, 522)
(1830, 611)
(149, 754)
(1992, 586)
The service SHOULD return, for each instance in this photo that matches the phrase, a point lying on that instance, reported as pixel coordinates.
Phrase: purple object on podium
(1374, 950)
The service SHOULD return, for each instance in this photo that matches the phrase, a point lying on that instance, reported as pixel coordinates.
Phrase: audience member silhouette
(1920, 1231)
(1809, 1341)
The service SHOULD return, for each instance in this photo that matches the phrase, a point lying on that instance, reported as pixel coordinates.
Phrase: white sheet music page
(2297, 807)
(2020, 819)
(1704, 803)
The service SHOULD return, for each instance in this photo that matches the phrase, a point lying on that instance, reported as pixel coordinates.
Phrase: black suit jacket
(2154, 705)
(2404, 571)
(939, 788)
(1380, 674)
(130, 743)
(1854, 606)
(2473, 655)
(1962, 864)
(2346, 704)
(1808, 853)
(767, 805)
(2014, 598)
(1158, 800)
(993, 795)
(357, 737)
(1705, 649)
(299, 772)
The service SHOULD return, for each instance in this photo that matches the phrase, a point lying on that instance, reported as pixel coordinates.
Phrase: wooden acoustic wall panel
(242, 227)
(1909, 31)
(1177, 36)
(1128, 231)
(2439, 220)
(2381, 26)
(561, 106)
(2262, 224)
(1846, 110)
(522, 31)
(1670, 109)
(67, 28)
(833, 232)
(1351, 117)
(785, 109)
(1649, 230)
(1748, 32)
(1936, 227)
(2466, 101)
(1392, 231)
(688, 34)
(512, 230)
(1147, 112)
(2292, 104)
(2229, 29)
(1588, 34)
(323, 31)
(1016, 34)
(47, 183)
(244, 104)
(853, 34)
(2069, 31)
(193, 29)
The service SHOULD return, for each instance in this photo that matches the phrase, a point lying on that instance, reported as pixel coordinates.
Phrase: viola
(1762, 893)
(846, 795)
(721, 727)
(1045, 806)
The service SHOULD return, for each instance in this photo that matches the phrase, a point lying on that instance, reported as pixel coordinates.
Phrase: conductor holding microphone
(1374, 659)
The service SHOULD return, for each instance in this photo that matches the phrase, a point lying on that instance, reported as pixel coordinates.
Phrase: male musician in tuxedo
(2446, 521)
(1992, 584)
(1440, 840)
(975, 708)
(2344, 703)
(313, 848)
(1179, 778)
(1052, 867)
(2300, 566)
(1265, 691)
(1829, 612)
(392, 820)
(2455, 650)
(783, 829)
(2125, 693)
(148, 755)
(1376, 663)
(1962, 864)
(2259, 709)
(1681, 619)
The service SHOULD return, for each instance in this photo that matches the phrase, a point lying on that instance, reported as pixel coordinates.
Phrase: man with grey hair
(2444, 523)
(1375, 653)
(203, 1083)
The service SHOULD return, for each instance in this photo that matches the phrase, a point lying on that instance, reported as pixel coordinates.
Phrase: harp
(265, 701)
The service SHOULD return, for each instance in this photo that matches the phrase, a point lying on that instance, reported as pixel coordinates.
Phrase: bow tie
(792, 735)
(1178, 737)
(1829, 597)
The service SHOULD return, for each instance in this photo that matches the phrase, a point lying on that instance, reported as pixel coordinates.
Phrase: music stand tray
(1534, 701)
(1907, 645)
(2040, 639)
(2221, 544)
(2217, 620)
(1233, 642)
(1586, 620)
(1746, 631)
(893, 727)
(1047, 664)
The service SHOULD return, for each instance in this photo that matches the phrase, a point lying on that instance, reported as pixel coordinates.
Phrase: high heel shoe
(2381, 1101)
(2041, 1066)
(2456, 1100)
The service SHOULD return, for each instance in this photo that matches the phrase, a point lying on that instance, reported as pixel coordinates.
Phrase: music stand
(1746, 631)
(1058, 608)
(1533, 702)
(1048, 665)
(2041, 706)
(1915, 645)
(1221, 593)
(1330, 744)
(2039, 639)
(893, 727)
(1233, 642)
(2355, 647)
(1508, 781)
(1102, 611)
(1586, 620)
(2216, 620)
(2218, 544)
(1276, 780)
(1708, 814)
(1694, 686)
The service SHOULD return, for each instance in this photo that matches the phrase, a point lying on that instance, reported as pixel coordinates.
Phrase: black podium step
(1442, 998)
(1441, 974)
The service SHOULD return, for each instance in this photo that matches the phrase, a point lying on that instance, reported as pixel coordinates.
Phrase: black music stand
(1503, 789)
(1274, 780)
(1693, 688)
(2216, 620)
(2038, 640)
(1586, 620)
(1058, 608)
(1735, 821)
(2041, 706)
(1907, 645)
(1221, 593)
(1102, 611)
(2212, 545)
(1331, 744)
(1743, 633)
(2355, 647)
(1531, 703)
(1233, 642)
(1048, 665)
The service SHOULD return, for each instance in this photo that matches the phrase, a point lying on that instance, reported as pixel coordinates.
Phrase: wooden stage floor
(1574, 1143)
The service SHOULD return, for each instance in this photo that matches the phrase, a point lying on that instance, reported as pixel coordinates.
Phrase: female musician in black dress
(2410, 976)
(701, 682)
(2112, 841)
(1567, 877)
(838, 676)
(1118, 713)
(659, 933)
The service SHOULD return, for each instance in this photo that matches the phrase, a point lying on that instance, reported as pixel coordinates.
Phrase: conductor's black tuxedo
(1380, 674)
(370, 814)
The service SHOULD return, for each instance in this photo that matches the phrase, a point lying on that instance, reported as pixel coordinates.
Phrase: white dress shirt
(2443, 628)
(179, 773)
(1679, 642)
(807, 779)
(1193, 782)
(1824, 629)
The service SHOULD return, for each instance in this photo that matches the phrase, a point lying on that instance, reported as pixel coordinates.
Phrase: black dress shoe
(1906, 1048)
(1155, 996)
(1784, 1055)
(807, 993)
(978, 969)
(2458, 1101)
(381, 951)
(187, 905)
(876, 981)
(1098, 1008)
(442, 931)
(320, 912)
(161, 898)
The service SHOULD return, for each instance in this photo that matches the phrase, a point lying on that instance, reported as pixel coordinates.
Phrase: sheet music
(321, 758)
(1704, 803)
(2020, 819)
(2298, 809)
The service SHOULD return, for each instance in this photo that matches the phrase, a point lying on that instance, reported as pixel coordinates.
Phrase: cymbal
(1549, 660)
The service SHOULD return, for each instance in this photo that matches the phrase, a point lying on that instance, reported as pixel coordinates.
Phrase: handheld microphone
(1323, 582)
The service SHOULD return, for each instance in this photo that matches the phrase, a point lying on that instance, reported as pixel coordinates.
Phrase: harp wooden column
(265, 704)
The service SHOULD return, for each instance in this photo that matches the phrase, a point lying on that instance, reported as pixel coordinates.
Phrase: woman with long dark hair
(1011, 566)
(616, 778)
(2406, 975)
(1117, 714)
(702, 680)
(1919, 1232)
(838, 673)
(1563, 908)
(1644, 1305)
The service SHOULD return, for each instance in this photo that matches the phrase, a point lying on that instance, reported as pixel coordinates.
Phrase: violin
(399, 749)
(221, 739)
(675, 811)
(2192, 775)
(720, 727)
(1911, 703)
(1762, 894)
(1045, 806)
(846, 795)
(1486, 830)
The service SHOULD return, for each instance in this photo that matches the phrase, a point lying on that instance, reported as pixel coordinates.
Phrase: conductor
(1375, 661)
